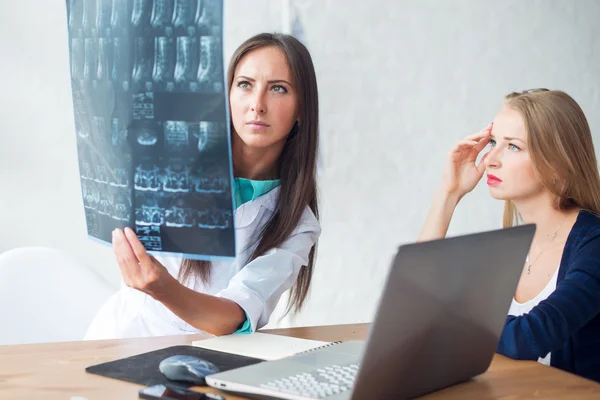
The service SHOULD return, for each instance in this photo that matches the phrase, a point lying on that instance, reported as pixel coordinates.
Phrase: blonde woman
(542, 164)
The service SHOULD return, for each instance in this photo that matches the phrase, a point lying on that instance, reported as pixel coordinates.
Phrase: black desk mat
(143, 368)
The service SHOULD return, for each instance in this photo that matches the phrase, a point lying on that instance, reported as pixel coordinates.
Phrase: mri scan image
(153, 149)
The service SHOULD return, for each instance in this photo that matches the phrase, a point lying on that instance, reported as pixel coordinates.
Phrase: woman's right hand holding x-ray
(461, 173)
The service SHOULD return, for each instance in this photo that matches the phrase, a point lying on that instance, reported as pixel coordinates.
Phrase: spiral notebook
(261, 345)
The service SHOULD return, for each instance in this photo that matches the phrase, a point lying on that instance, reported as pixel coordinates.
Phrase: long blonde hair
(561, 150)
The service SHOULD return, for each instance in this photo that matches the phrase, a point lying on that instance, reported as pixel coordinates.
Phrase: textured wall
(399, 81)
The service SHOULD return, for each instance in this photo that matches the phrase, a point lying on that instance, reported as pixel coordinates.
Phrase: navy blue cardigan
(567, 323)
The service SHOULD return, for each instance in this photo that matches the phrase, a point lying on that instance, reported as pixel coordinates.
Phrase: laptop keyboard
(318, 384)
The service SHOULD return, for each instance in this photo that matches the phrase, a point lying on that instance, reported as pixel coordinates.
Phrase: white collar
(247, 212)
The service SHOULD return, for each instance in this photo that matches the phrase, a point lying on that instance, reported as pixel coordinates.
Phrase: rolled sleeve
(258, 286)
(246, 327)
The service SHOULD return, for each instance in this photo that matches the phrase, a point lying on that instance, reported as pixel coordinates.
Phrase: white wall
(399, 82)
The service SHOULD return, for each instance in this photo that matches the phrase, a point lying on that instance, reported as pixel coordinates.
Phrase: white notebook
(260, 345)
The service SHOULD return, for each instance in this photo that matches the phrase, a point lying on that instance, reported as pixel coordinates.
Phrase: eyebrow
(269, 82)
(511, 138)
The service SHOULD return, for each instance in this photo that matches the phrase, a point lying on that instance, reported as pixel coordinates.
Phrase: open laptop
(438, 323)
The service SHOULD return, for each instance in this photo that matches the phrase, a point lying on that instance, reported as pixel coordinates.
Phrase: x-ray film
(152, 124)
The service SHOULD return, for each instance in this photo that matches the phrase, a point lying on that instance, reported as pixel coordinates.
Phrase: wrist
(447, 199)
(164, 288)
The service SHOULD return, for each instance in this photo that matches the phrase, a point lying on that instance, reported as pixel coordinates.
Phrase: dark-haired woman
(274, 118)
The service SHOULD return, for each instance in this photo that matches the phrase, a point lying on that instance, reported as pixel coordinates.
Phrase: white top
(256, 286)
(517, 309)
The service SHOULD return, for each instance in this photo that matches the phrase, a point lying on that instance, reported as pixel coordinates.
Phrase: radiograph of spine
(75, 15)
(214, 219)
(118, 131)
(89, 18)
(163, 72)
(187, 61)
(143, 106)
(143, 57)
(91, 220)
(147, 178)
(89, 65)
(103, 88)
(183, 17)
(120, 178)
(97, 166)
(210, 184)
(77, 59)
(207, 134)
(176, 135)
(209, 63)
(105, 52)
(121, 207)
(105, 204)
(179, 215)
(103, 16)
(162, 13)
(119, 16)
(90, 193)
(147, 136)
(86, 169)
(149, 213)
(131, 63)
(101, 173)
(176, 179)
(150, 237)
(207, 15)
(121, 212)
(121, 64)
(121, 11)
(142, 11)
(82, 120)
(99, 126)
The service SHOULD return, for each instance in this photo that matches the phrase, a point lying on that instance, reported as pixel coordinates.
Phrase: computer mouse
(187, 369)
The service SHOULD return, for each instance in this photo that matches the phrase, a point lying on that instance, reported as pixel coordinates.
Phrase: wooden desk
(56, 370)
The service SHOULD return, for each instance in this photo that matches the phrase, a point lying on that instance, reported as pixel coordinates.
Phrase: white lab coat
(256, 286)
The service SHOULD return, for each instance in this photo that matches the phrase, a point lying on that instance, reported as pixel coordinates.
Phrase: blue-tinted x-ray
(151, 122)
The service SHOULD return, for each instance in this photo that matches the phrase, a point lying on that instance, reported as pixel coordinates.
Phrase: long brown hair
(561, 150)
(296, 166)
